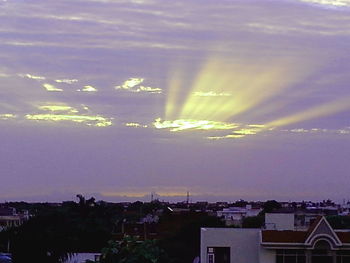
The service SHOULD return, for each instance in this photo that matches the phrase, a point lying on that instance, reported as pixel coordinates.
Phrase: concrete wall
(279, 221)
(267, 255)
(244, 243)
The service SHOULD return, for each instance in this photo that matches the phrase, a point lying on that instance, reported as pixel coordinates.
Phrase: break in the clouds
(29, 76)
(88, 88)
(134, 85)
(215, 97)
(50, 87)
(331, 3)
(68, 81)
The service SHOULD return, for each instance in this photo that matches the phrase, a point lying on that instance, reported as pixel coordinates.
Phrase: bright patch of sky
(330, 3)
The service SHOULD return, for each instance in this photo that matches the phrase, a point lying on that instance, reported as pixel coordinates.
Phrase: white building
(83, 257)
(10, 218)
(235, 215)
(319, 244)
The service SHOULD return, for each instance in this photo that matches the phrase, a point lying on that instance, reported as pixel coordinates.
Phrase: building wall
(267, 255)
(279, 221)
(244, 243)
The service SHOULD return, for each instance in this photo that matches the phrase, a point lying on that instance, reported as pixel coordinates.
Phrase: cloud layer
(105, 96)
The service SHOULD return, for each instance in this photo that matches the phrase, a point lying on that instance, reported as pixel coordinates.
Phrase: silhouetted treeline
(57, 230)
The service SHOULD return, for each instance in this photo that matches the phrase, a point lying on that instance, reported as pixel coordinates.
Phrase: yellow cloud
(29, 76)
(54, 108)
(222, 90)
(67, 81)
(230, 136)
(189, 124)
(7, 116)
(50, 87)
(97, 121)
(149, 89)
(133, 85)
(135, 125)
(130, 83)
(338, 3)
(88, 88)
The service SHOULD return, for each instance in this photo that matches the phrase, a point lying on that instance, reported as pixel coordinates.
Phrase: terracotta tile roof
(313, 225)
(287, 236)
(343, 236)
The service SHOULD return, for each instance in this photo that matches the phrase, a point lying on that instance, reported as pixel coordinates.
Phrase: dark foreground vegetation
(55, 232)
(136, 232)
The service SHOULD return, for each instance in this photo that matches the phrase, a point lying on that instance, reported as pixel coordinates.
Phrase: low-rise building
(318, 244)
(10, 218)
(235, 215)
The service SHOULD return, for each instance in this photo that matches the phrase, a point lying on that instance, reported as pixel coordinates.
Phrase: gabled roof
(320, 229)
(313, 225)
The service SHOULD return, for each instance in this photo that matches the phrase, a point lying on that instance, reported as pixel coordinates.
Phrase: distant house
(10, 218)
(235, 215)
(83, 257)
(319, 244)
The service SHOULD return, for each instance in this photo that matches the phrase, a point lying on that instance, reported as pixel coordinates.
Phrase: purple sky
(226, 99)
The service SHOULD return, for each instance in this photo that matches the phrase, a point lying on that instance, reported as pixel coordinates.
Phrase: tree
(130, 250)
(253, 222)
(339, 222)
(182, 233)
(57, 231)
(270, 206)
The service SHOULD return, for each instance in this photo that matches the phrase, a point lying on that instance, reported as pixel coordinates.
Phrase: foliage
(183, 234)
(270, 206)
(339, 222)
(129, 250)
(59, 230)
(253, 222)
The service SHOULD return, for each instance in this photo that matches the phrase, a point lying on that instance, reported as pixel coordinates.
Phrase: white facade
(235, 215)
(243, 243)
(279, 221)
(285, 245)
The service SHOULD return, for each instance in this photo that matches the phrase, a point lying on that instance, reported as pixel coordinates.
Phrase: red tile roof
(287, 236)
(343, 236)
(313, 225)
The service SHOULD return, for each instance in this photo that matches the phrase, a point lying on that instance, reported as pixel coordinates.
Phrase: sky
(224, 99)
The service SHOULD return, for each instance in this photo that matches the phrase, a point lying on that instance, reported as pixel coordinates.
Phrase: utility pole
(188, 199)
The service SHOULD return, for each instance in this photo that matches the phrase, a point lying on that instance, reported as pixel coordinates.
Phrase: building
(235, 215)
(10, 218)
(83, 257)
(319, 244)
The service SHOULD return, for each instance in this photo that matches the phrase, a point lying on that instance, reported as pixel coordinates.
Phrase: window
(218, 255)
(343, 256)
(321, 256)
(290, 256)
